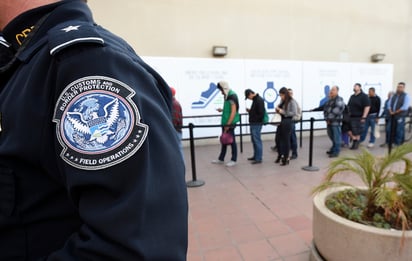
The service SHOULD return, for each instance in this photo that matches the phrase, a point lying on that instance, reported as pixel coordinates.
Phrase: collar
(20, 27)
(34, 25)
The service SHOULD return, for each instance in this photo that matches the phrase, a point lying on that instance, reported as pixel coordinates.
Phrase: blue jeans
(255, 134)
(294, 141)
(233, 145)
(334, 133)
(398, 131)
(369, 122)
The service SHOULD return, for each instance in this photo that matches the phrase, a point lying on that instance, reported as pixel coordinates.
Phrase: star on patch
(71, 28)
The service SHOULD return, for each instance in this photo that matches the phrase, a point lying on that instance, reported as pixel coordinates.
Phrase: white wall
(316, 30)
(195, 82)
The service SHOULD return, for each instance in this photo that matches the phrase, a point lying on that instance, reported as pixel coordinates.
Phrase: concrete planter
(338, 239)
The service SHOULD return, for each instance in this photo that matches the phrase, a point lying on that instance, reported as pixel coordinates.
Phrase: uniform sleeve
(119, 156)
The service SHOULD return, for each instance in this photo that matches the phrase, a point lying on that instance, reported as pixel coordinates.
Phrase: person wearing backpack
(288, 110)
(256, 120)
(293, 138)
(230, 116)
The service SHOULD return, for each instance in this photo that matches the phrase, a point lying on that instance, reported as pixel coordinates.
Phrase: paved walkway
(254, 212)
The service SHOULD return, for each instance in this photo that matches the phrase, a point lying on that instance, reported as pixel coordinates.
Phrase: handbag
(226, 138)
(276, 119)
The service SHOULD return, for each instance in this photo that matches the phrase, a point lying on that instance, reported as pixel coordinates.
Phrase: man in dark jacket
(333, 113)
(84, 125)
(358, 107)
(398, 107)
(256, 115)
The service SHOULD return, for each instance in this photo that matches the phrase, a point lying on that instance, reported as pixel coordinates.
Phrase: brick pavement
(254, 212)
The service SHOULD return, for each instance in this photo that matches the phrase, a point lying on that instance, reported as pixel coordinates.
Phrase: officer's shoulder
(73, 33)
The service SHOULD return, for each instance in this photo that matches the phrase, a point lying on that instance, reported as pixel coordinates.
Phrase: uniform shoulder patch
(71, 33)
(98, 124)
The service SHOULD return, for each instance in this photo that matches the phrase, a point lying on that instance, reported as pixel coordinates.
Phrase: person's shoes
(251, 158)
(294, 156)
(274, 148)
(284, 161)
(218, 161)
(333, 155)
(383, 145)
(231, 163)
(371, 145)
(256, 162)
(278, 159)
(355, 145)
(329, 152)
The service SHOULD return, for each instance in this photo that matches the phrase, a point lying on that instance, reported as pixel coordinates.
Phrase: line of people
(285, 138)
(347, 124)
(360, 117)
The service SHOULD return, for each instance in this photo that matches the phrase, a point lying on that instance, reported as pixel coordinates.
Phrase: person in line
(398, 107)
(288, 108)
(387, 116)
(256, 116)
(333, 113)
(230, 116)
(322, 102)
(358, 107)
(372, 118)
(84, 124)
(345, 128)
(293, 137)
(177, 118)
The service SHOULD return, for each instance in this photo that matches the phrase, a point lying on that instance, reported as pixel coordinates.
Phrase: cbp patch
(98, 124)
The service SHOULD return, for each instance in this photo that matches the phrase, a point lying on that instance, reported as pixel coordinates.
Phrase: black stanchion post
(241, 134)
(391, 133)
(300, 132)
(310, 167)
(194, 182)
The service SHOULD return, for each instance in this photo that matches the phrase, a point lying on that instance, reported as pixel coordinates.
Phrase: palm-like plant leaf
(388, 180)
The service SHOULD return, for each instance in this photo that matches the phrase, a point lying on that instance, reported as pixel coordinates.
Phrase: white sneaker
(231, 163)
(217, 161)
(371, 145)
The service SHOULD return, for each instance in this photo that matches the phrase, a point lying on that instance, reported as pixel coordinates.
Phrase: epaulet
(72, 33)
(4, 42)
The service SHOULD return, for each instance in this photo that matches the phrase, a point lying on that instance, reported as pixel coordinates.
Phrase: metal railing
(196, 183)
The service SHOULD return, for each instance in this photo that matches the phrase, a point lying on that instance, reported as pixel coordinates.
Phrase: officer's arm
(119, 157)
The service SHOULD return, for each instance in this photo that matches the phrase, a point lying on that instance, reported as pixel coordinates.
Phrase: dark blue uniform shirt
(90, 167)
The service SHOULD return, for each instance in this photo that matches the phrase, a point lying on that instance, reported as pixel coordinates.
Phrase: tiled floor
(254, 212)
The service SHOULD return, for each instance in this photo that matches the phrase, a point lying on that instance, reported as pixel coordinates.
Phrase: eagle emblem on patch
(98, 124)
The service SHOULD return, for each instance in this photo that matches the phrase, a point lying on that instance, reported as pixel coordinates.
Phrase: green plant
(388, 181)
